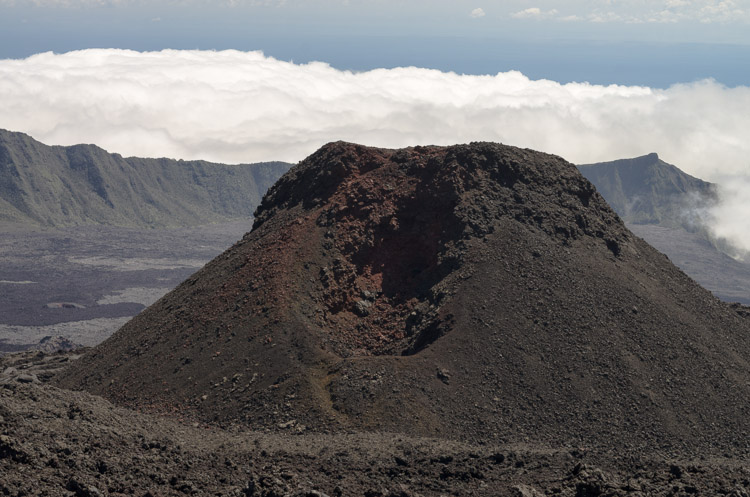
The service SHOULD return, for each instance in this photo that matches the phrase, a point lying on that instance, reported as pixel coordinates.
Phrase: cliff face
(476, 291)
(83, 184)
(647, 190)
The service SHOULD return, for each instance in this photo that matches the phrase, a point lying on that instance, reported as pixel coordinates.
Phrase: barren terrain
(83, 283)
(467, 320)
(60, 443)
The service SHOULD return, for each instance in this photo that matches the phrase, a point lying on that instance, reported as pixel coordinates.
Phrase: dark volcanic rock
(500, 265)
(58, 442)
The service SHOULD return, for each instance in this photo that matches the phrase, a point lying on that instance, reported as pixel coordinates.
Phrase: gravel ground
(61, 443)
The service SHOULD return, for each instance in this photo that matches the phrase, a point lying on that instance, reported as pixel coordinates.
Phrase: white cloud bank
(236, 106)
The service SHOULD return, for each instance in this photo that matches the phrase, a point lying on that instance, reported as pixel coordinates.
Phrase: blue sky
(633, 42)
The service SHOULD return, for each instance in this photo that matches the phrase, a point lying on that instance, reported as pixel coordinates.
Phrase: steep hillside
(647, 190)
(83, 184)
(478, 292)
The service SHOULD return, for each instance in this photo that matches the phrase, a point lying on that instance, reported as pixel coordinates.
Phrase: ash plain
(82, 283)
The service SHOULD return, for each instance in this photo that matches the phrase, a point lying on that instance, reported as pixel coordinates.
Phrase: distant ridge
(665, 206)
(647, 190)
(54, 186)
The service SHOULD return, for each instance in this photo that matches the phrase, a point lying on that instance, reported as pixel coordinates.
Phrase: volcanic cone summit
(395, 227)
(479, 291)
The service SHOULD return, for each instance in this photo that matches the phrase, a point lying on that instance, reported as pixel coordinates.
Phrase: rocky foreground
(57, 442)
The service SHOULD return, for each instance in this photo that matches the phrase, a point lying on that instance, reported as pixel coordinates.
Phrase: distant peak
(647, 160)
(644, 159)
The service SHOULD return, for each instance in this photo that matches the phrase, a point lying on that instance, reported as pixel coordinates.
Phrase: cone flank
(470, 291)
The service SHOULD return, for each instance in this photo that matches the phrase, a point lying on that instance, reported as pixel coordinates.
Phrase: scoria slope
(478, 291)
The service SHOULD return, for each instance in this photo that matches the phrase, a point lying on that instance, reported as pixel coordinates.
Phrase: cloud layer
(597, 11)
(638, 11)
(236, 106)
